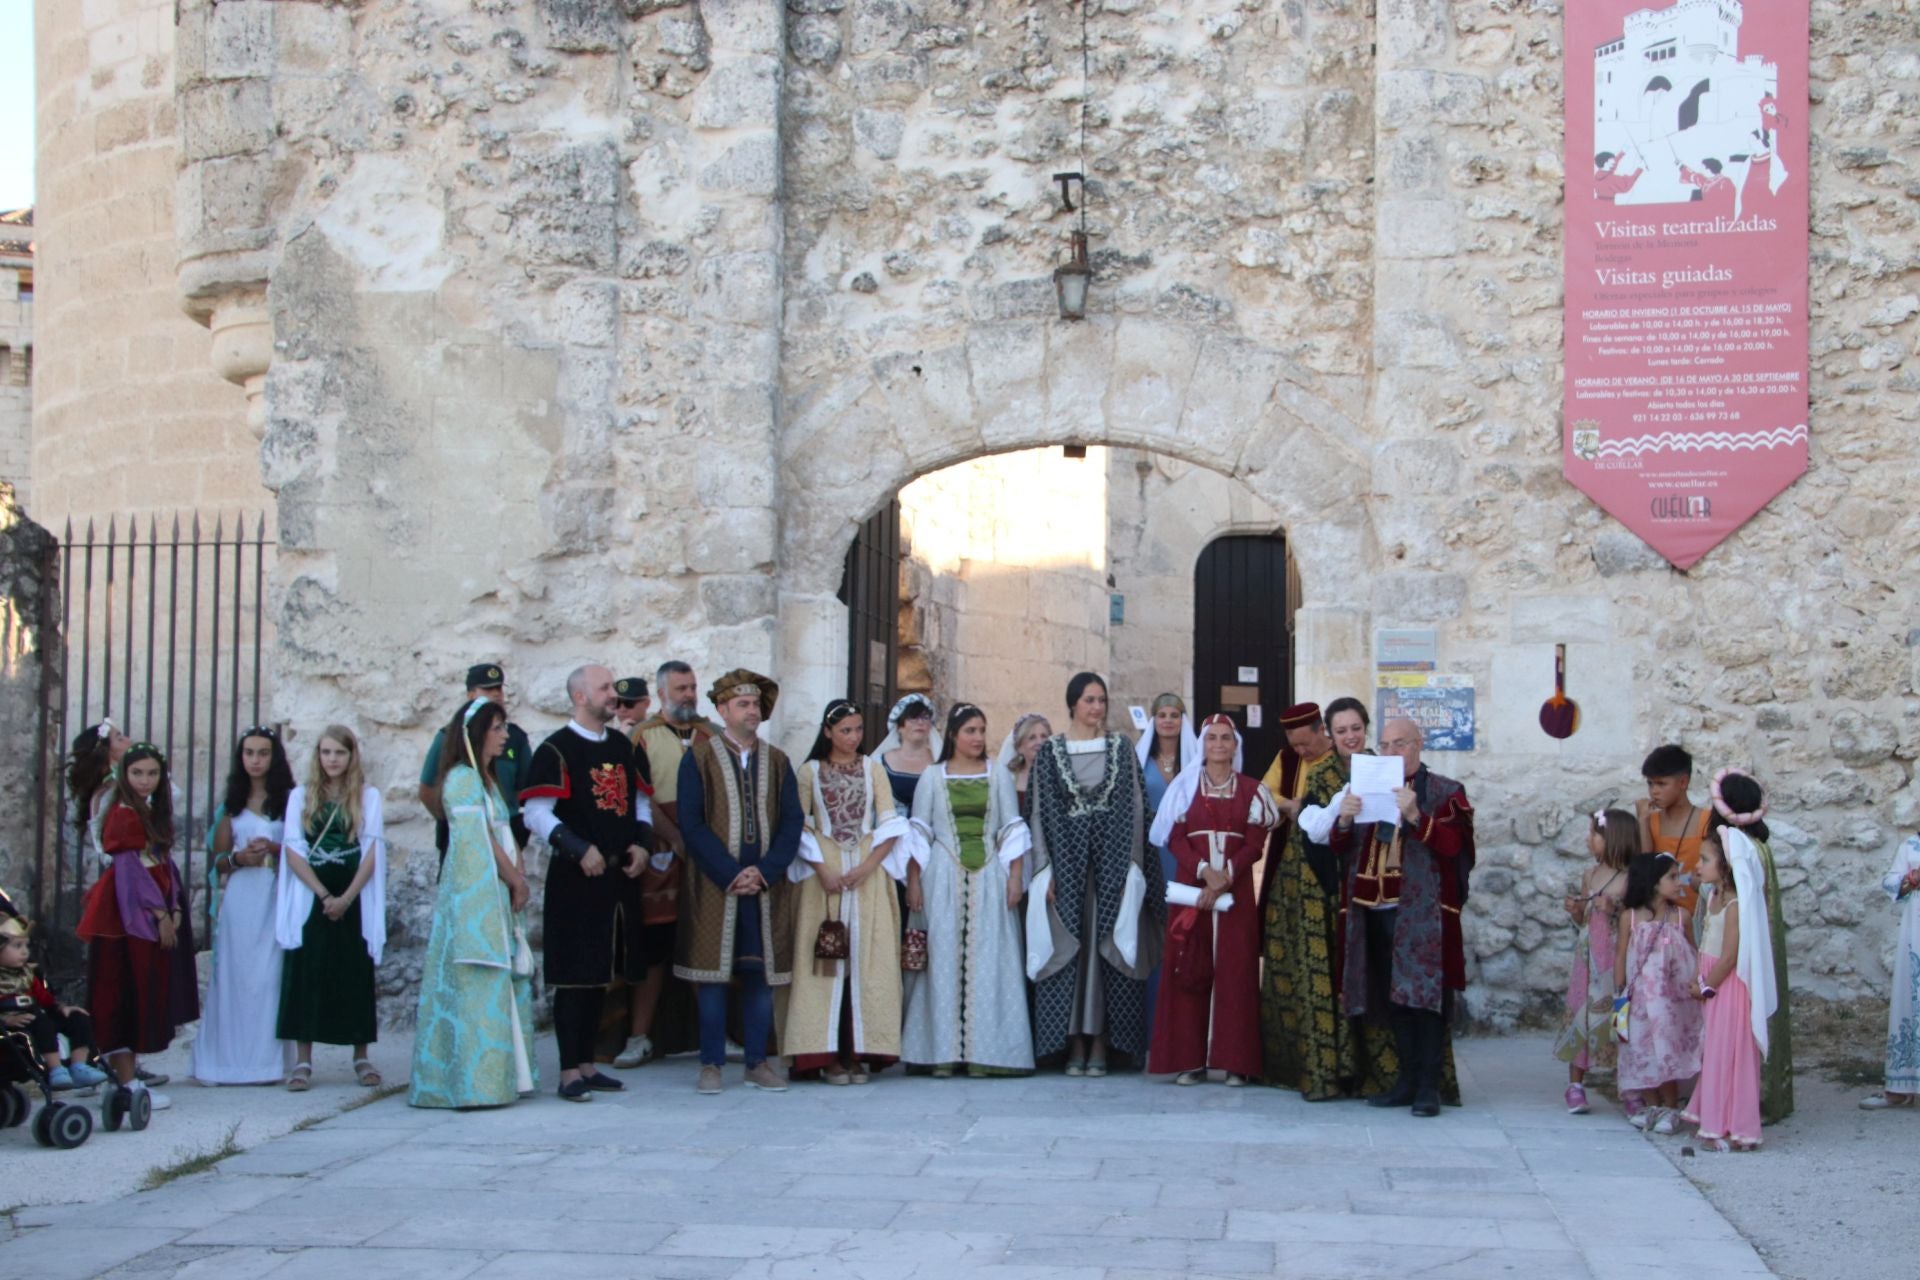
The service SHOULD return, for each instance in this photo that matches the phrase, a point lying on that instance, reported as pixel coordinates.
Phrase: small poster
(1442, 705)
(1249, 675)
(1141, 720)
(1253, 716)
(1405, 649)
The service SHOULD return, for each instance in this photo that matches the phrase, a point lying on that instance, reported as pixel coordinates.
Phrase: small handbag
(913, 945)
(832, 943)
(1190, 950)
(1622, 1010)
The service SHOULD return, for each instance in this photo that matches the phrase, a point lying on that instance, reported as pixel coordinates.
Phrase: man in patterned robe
(1406, 884)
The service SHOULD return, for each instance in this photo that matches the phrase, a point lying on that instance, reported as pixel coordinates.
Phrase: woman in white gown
(236, 1043)
(969, 1008)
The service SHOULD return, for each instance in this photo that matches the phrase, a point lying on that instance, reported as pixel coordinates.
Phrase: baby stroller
(59, 1124)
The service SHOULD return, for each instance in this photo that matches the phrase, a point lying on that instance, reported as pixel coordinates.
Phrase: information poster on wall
(1686, 271)
(1442, 705)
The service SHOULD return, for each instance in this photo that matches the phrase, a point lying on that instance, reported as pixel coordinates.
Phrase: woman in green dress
(332, 916)
(473, 1037)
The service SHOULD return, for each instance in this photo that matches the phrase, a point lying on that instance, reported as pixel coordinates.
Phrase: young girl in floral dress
(1657, 969)
(1586, 1040)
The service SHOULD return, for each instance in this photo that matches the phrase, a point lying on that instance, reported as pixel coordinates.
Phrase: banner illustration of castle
(1685, 398)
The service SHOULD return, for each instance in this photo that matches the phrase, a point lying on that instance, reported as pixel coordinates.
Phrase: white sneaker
(638, 1050)
(160, 1100)
(735, 1053)
(1668, 1123)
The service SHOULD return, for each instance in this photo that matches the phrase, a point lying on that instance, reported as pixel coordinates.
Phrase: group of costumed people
(1072, 897)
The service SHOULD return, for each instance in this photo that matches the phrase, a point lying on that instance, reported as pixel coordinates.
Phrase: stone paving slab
(915, 1179)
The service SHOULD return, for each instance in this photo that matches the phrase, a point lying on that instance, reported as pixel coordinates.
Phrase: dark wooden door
(1243, 626)
(870, 588)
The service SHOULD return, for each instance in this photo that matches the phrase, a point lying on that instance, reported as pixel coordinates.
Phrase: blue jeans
(756, 1013)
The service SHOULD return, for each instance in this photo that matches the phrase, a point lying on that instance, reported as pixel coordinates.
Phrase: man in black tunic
(585, 799)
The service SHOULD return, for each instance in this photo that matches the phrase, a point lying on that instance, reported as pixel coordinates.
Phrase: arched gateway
(1238, 408)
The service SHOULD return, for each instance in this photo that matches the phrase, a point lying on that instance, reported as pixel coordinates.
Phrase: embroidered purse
(832, 943)
(1622, 1010)
(913, 944)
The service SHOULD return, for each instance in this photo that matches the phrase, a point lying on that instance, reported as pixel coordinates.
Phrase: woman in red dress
(140, 976)
(1214, 820)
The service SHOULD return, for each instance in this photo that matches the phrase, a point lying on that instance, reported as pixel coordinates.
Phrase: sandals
(1886, 1101)
(363, 1072)
(1190, 1077)
(836, 1076)
(858, 1076)
(300, 1079)
(1095, 1070)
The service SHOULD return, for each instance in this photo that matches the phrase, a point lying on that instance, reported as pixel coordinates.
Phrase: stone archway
(1230, 405)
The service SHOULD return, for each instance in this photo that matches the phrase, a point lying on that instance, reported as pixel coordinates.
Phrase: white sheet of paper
(1375, 778)
(1188, 895)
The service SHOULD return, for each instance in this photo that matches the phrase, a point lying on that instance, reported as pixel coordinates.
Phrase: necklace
(1167, 770)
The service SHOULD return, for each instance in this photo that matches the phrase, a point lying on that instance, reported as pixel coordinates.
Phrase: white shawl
(295, 902)
(1755, 963)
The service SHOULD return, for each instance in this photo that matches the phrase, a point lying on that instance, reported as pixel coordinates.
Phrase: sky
(16, 103)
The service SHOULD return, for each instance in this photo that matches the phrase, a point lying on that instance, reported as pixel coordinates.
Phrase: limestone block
(1418, 229)
(897, 78)
(564, 203)
(1402, 468)
(1617, 551)
(730, 539)
(225, 119)
(881, 25)
(730, 599)
(741, 92)
(931, 401)
(1231, 384)
(1272, 124)
(1412, 30)
(1860, 739)
(224, 205)
(879, 133)
(240, 40)
(589, 313)
(1147, 388)
(1400, 598)
(743, 26)
(814, 39)
(580, 26)
(1410, 99)
(1415, 339)
(1007, 364)
(1559, 619)
(750, 167)
(743, 288)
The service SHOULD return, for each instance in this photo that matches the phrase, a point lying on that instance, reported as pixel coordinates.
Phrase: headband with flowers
(1725, 810)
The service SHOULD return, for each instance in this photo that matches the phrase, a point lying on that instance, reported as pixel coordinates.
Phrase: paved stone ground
(1121, 1179)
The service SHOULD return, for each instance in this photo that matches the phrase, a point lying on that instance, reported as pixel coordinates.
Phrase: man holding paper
(1214, 820)
(1407, 874)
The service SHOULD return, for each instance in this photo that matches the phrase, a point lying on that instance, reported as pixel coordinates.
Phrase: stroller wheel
(13, 1106)
(68, 1124)
(114, 1101)
(41, 1133)
(140, 1113)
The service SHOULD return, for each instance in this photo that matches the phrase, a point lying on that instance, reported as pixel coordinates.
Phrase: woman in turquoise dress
(472, 1042)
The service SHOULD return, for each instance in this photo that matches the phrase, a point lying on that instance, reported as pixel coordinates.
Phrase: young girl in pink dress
(1736, 985)
(1658, 971)
(1586, 1040)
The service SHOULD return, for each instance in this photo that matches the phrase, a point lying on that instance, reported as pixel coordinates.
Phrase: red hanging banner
(1686, 274)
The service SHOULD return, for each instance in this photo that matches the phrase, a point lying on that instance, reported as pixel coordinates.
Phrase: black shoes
(601, 1082)
(576, 1090)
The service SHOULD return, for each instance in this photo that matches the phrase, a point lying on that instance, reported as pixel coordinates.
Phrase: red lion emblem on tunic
(609, 788)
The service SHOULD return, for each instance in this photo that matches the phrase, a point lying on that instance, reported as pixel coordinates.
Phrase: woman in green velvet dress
(332, 917)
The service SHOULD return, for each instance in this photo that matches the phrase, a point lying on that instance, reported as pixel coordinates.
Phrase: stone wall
(597, 329)
(27, 621)
(16, 359)
(127, 415)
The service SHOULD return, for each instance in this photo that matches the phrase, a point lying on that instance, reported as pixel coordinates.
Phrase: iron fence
(163, 634)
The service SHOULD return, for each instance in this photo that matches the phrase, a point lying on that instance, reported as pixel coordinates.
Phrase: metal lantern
(1071, 278)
